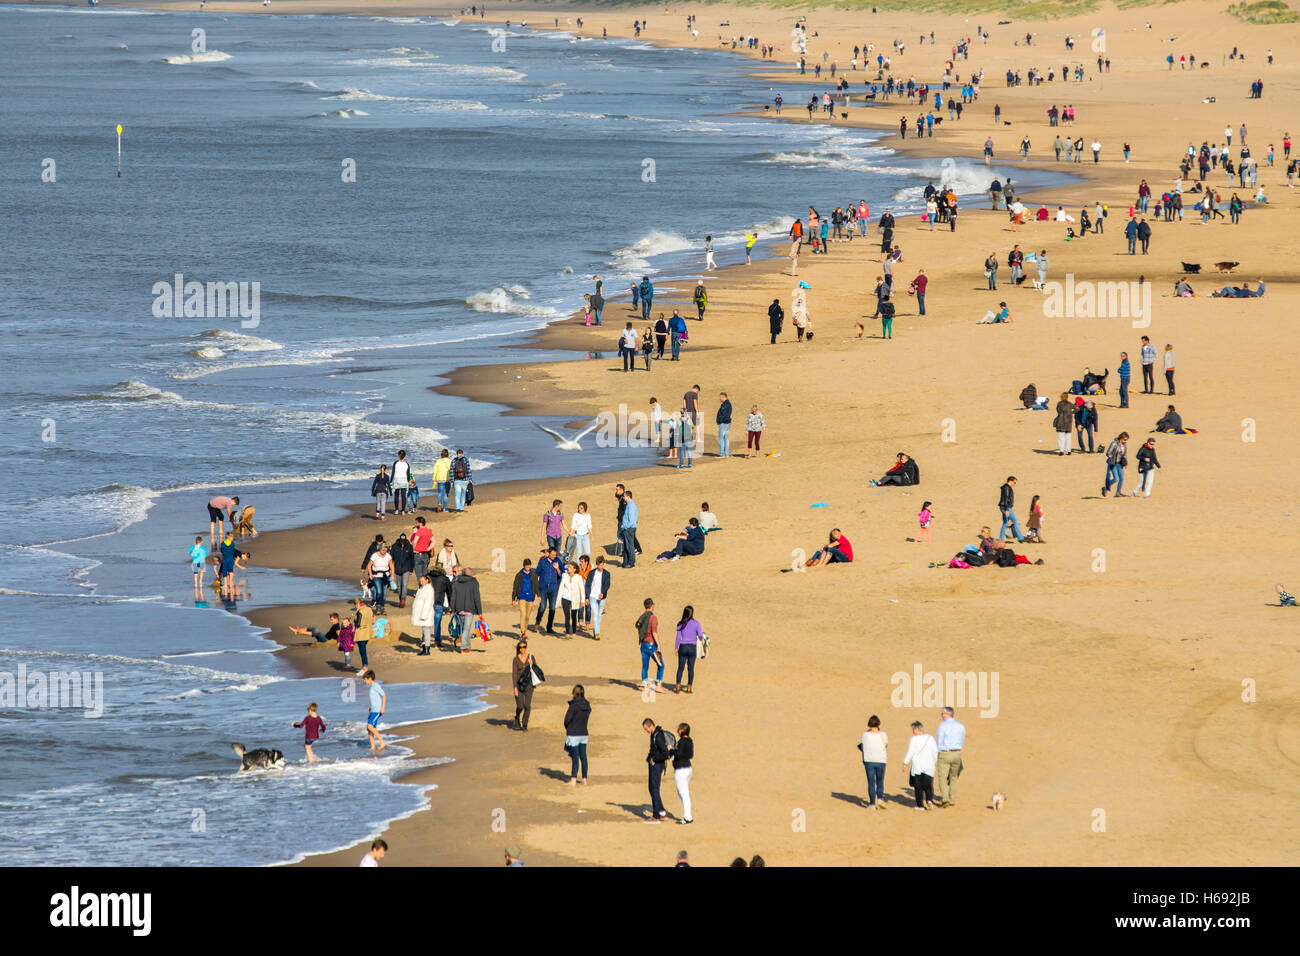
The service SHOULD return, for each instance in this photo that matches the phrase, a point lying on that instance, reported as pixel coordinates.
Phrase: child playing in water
(312, 727)
(198, 556)
(924, 518)
(1287, 599)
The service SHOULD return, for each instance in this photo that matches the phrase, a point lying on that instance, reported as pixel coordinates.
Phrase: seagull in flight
(568, 444)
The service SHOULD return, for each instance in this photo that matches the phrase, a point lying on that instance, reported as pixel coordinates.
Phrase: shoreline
(491, 770)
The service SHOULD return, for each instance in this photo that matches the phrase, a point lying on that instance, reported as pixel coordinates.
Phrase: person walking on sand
(442, 480)
(920, 761)
(380, 488)
(1169, 366)
(873, 746)
(422, 612)
(701, 299)
(1085, 423)
(597, 589)
(924, 518)
(683, 754)
(575, 733)
(378, 704)
(312, 727)
(647, 628)
(522, 678)
(461, 478)
(660, 751)
(1147, 465)
(467, 602)
(1116, 462)
(627, 345)
(1007, 505)
(709, 264)
(775, 319)
(1063, 423)
(1034, 527)
(689, 634)
(523, 593)
(755, 425)
(647, 297)
(950, 739)
(549, 574)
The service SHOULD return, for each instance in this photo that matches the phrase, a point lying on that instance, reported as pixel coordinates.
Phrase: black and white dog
(259, 759)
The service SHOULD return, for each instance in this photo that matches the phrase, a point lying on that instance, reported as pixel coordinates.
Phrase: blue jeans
(413, 498)
(647, 654)
(597, 608)
(677, 346)
(583, 545)
(628, 538)
(545, 602)
(645, 306)
(862, 227)
(444, 494)
(1010, 519)
(1142, 203)
(993, 280)
(875, 782)
(1123, 393)
(724, 440)
(460, 486)
(578, 754)
(920, 301)
(1115, 476)
(1132, 245)
(597, 313)
(380, 583)
(438, 610)
(684, 455)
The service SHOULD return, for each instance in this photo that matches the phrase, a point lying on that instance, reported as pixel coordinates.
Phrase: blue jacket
(677, 324)
(548, 578)
(647, 290)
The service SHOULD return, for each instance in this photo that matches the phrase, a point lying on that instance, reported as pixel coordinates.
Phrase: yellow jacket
(442, 469)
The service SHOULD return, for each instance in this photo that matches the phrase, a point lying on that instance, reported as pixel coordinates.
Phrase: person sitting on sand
(1062, 215)
(708, 520)
(996, 318)
(1183, 289)
(1287, 598)
(1239, 292)
(690, 541)
(904, 472)
(331, 635)
(837, 551)
(1171, 422)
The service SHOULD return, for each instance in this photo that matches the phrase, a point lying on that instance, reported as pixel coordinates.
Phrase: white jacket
(922, 754)
(422, 607)
(571, 589)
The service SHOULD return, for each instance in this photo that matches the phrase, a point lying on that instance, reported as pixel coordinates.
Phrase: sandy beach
(1147, 680)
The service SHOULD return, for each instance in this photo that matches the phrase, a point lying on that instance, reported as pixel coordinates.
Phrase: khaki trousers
(945, 777)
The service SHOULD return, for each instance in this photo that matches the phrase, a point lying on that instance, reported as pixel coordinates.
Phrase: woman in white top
(381, 565)
(874, 742)
(931, 212)
(922, 756)
(656, 418)
(571, 595)
(582, 530)
(448, 559)
(422, 611)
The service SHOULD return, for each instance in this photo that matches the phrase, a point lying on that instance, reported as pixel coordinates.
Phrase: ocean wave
(210, 56)
(508, 299)
(341, 114)
(238, 341)
(207, 352)
(301, 85)
(543, 97)
(634, 257)
(352, 93)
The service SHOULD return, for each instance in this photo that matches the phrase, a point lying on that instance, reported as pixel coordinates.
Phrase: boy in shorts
(198, 557)
(378, 702)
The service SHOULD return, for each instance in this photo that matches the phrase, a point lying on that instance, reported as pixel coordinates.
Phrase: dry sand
(1121, 690)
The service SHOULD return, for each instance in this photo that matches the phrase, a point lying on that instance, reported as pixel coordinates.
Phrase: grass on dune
(1265, 12)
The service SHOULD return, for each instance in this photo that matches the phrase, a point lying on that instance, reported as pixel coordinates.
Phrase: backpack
(1006, 558)
(667, 740)
(974, 558)
(458, 469)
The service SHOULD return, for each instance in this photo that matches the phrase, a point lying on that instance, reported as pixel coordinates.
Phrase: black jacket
(441, 589)
(382, 485)
(606, 581)
(775, 316)
(465, 597)
(519, 581)
(403, 555)
(1007, 499)
(724, 413)
(659, 751)
(684, 752)
(365, 562)
(575, 718)
(1147, 459)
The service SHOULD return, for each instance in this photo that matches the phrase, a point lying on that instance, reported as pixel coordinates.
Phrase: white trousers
(1145, 482)
(682, 778)
(1063, 442)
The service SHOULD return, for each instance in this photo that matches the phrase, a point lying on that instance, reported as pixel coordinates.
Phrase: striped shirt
(1124, 369)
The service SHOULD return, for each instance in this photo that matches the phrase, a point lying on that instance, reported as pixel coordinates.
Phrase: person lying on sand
(331, 635)
(1239, 292)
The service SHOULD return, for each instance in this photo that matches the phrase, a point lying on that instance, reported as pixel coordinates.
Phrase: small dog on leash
(998, 799)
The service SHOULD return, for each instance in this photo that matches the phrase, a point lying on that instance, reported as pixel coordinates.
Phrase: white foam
(422, 103)
(634, 257)
(238, 341)
(207, 352)
(210, 56)
(509, 299)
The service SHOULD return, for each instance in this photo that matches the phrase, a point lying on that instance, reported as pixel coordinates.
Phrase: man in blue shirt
(548, 589)
(677, 326)
(1124, 370)
(627, 531)
(951, 737)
